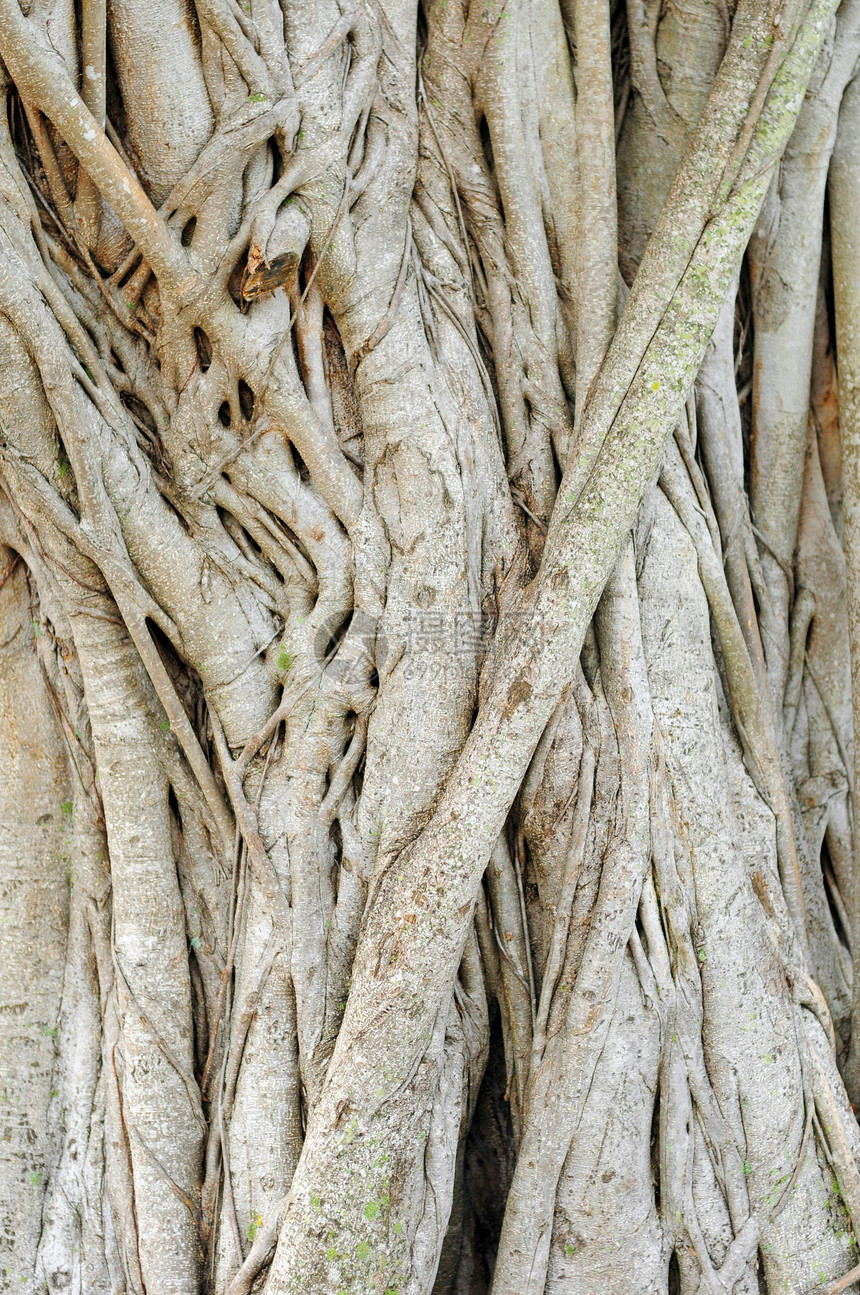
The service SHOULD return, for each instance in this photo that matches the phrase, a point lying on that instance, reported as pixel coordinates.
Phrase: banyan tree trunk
(429, 586)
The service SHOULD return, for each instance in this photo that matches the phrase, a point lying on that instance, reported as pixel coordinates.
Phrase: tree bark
(429, 525)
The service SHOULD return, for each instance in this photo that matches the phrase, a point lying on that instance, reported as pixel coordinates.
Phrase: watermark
(427, 644)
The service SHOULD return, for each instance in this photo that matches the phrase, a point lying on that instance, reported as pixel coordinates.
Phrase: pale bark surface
(429, 574)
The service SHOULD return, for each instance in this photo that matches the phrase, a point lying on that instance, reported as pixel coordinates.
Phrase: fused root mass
(429, 569)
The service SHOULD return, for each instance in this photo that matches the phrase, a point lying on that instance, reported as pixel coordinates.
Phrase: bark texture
(429, 587)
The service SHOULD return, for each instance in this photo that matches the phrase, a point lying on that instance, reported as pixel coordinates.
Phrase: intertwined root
(426, 713)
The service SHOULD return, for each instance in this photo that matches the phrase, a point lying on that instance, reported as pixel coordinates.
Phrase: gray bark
(429, 577)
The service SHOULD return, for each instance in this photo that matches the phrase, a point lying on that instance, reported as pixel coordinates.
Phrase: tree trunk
(429, 569)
